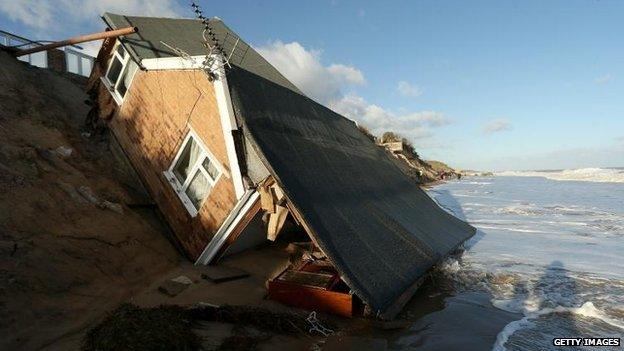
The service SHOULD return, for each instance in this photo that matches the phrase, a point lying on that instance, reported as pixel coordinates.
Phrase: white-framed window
(119, 74)
(193, 173)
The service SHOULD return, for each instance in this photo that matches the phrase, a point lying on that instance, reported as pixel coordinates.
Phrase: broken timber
(273, 202)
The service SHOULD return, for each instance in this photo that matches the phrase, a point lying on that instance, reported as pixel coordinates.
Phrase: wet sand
(466, 321)
(437, 318)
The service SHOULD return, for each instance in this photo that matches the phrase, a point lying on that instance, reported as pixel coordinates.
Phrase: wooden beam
(78, 40)
(276, 222)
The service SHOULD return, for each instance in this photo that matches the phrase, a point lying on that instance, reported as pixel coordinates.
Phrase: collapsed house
(231, 152)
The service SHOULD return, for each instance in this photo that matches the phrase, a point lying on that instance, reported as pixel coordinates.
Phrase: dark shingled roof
(186, 35)
(380, 229)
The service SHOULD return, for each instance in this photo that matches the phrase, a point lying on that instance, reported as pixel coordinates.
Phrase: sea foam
(608, 175)
(550, 252)
(586, 310)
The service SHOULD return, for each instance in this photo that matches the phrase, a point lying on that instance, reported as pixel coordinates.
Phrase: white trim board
(179, 188)
(126, 63)
(228, 124)
(236, 215)
(191, 62)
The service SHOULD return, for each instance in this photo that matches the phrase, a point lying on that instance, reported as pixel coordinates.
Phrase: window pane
(114, 71)
(126, 78)
(39, 59)
(25, 58)
(198, 189)
(121, 51)
(210, 168)
(187, 160)
(86, 66)
(72, 63)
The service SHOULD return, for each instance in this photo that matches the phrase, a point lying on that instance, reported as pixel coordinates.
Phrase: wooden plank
(266, 199)
(312, 299)
(315, 280)
(276, 222)
(220, 274)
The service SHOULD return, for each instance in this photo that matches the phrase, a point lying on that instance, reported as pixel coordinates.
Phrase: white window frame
(125, 63)
(179, 188)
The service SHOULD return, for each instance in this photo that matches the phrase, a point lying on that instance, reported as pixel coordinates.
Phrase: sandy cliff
(70, 247)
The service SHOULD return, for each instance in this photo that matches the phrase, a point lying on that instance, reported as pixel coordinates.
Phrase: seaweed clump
(129, 327)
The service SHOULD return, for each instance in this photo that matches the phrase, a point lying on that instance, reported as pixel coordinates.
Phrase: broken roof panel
(381, 231)
(156, 35)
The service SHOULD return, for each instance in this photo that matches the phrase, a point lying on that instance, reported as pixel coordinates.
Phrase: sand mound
(70, 248)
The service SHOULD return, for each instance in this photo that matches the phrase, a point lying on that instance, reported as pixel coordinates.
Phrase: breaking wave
(552, 301)
(608, 175)
(528, 209)
(551, 254)
(586, 310)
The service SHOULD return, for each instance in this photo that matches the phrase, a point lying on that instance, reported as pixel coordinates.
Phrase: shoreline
(431, 184)
(440, 318)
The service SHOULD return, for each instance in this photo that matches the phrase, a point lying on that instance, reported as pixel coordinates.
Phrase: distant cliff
(408, 160)
(439, 166)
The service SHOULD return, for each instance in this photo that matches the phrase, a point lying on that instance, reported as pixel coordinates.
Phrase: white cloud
(603, 79)
(158, 8)
(497, 125)
(348, 73)
(38, 14)
(327, 84)
(304, 68)
(409, 90)
(432, 118)
(92, 47)
(49, 14)
(415, 126)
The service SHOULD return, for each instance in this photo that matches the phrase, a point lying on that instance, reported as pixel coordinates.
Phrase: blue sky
(480, 84)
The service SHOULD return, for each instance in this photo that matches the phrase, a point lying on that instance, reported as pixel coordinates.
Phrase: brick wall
(151, 124)
(56, 61)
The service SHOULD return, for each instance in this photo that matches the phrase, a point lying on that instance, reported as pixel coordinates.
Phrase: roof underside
(381, 231)
(156, 35)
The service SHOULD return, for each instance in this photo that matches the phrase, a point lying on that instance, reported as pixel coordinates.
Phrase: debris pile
(130, 327)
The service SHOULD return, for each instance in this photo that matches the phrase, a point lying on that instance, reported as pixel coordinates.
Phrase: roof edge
(109, 22)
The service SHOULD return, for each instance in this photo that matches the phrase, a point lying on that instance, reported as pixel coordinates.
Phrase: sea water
(548, 247)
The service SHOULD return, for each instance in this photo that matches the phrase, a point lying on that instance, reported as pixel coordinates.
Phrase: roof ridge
(186, 35)
(214, 18)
